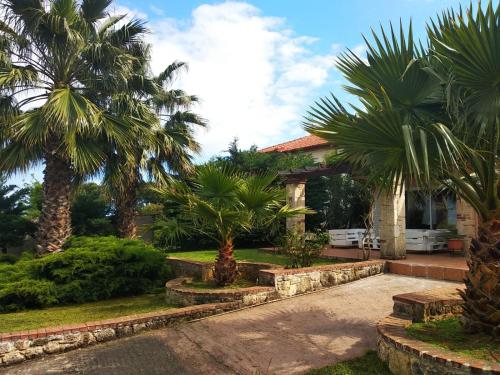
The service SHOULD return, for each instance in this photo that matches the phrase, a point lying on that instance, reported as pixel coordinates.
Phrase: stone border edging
(406, 355)
(325, 267)
(178, 292)
(17, 347)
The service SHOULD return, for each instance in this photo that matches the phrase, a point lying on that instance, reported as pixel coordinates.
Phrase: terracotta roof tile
(303, 143)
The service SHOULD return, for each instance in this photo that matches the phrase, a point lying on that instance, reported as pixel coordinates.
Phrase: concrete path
(285, 337)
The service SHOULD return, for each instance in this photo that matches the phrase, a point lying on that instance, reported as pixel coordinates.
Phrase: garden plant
(222, 203)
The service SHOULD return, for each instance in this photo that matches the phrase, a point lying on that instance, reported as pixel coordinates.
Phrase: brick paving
(438, 266)
(435, 259)
(285, 337)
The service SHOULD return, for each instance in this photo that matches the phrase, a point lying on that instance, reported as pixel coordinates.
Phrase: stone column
(296, 198)
(467, 221)
(392, 225)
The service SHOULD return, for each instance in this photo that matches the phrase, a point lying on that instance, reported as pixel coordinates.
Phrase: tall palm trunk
(54, 226)
(482, 293)
(225, 265)
(126, 200)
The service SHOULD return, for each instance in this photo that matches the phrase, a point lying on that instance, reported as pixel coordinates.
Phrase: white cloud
(360, 51)
(253, 74)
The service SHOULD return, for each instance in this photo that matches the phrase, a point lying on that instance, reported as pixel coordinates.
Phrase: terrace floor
(443, 259)
(439, 266)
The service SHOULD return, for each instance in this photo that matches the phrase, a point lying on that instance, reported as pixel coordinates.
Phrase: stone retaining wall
(189, 268)
(177, 292)
(407, 356)
(289, 282)
(204, 271)
(20, 346)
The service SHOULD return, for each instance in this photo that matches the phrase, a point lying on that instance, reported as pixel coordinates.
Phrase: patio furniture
(345, 237)
(426, 240)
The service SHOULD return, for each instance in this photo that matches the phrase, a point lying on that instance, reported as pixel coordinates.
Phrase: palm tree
(167, 149)
(467, 59)
(54, 57)
(429, 118)
(222, 203)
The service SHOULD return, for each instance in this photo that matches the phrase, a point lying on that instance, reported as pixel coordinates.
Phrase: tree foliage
(14, 225)
(223, 203)
(91, 211)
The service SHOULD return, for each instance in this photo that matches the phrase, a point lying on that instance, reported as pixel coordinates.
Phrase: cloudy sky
(257, 66)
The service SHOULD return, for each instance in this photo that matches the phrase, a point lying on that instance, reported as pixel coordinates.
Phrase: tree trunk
(54, 226)
(482, 293)
(225, 266)
(126, 200)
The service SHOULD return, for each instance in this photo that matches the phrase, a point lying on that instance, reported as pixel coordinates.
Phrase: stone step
(428, 305)
(427, 271)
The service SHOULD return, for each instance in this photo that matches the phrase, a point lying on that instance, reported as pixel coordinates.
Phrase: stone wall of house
(296, 198)
(20, 346)
(392, 225)
(290, 282)
(467, 221)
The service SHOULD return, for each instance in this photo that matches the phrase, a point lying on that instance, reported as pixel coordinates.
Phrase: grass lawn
(249, 255)
(369, 364)
(448, 334)
(86, 312)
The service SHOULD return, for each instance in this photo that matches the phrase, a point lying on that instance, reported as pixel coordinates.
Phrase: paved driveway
(284, 337)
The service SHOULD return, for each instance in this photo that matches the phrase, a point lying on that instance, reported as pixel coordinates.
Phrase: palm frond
(94, 10)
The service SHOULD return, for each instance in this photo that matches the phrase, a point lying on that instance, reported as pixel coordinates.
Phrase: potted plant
(455, 241)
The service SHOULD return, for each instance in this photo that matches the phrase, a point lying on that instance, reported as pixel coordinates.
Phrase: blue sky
(258, 65)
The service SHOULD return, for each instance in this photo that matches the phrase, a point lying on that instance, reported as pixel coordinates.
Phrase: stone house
(391, 222)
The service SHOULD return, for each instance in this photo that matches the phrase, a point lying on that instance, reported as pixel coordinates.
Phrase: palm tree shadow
(283, 341)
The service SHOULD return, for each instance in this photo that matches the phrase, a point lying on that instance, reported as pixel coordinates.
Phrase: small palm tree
(54, 57)
(222, 203)
(432, 118)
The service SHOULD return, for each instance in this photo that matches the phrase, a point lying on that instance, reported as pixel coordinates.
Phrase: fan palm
(222, 203)
(432, 117)
(467, 58)
(166, 149)
(54, 56)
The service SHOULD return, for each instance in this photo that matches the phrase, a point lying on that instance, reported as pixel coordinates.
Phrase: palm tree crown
(222, 203)
(55, 57)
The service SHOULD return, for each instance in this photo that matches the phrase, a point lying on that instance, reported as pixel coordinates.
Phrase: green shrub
(90, 269)
(302, 249)
(8, 258)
